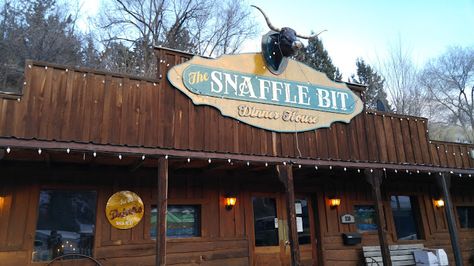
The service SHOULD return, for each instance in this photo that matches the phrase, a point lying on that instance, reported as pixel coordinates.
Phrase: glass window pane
(181, 221)
(11, 79)
(404, 217)
(466, 216)
(365, 218)
(302, 216)
(264, 213)
(65, 224)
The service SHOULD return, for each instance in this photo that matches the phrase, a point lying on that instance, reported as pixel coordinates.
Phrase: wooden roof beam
(157, 152)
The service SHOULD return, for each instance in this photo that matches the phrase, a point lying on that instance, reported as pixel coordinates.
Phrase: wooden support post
(444, 184)
(374, 178)
(161, 208)
(285, 174)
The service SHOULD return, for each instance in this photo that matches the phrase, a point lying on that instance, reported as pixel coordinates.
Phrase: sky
(367, 29)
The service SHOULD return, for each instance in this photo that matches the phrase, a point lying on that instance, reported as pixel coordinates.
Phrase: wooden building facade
(83, 130)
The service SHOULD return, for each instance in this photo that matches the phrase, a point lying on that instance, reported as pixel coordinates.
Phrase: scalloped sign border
(241, 87)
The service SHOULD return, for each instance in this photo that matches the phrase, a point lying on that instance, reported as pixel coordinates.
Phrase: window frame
(416, 209)
(458, 223)
(17, 94)
(364, 203)
(35, 202)
(178, 203)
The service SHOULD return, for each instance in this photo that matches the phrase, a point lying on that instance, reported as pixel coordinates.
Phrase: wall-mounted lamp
(333, 202)
(2, 198)
(229, 202)
(438, 203)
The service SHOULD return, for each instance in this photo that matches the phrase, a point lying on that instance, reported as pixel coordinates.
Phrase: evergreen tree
(34, 29)
(375, 92)
(315, 56)
(90, 54)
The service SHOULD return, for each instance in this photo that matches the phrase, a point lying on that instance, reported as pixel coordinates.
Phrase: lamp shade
(334, 202)
(438, 203)
(230, 202)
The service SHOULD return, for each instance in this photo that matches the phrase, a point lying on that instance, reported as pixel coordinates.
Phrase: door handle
(287, 243)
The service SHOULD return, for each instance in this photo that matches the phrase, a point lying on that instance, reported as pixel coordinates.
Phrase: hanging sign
(124, 209)
(240, 86)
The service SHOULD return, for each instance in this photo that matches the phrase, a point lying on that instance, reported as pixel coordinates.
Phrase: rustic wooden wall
(353, 190)
(80, 105)
(223, 240)
(17, 216)
(462, 194)
(85, 106)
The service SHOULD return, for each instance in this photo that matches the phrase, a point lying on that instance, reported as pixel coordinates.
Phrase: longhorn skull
(280, 44)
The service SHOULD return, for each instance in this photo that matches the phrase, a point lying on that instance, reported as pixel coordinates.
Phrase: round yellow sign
(124, 209)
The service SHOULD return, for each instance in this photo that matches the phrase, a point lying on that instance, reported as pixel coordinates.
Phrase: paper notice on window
(298, 209)
(299, 224)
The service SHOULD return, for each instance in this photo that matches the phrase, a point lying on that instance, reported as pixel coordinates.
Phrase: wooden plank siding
(80, 105)
(86, 106)
(223, 240)
(353, 191)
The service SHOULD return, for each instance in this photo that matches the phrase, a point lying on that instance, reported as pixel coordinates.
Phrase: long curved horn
(273, 28)
(311, 36)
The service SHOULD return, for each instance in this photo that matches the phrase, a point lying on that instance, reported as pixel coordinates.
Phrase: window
(265, 221)
(302, 221)
(181, 221)
(65, 224)
(404, 217)
(365, 218)
(11, 79)
(466, 216)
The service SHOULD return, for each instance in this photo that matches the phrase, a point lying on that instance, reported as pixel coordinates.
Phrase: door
(268, 230)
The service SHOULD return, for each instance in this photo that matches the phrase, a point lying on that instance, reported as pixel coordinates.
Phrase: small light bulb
(120, 156)
(266, 164)
(166, 157)
(143, 157)
(94, 154)
(209, 160)
(68, 150)
(229, 160)
(189, 160)
(39, 151)
(8, 149)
